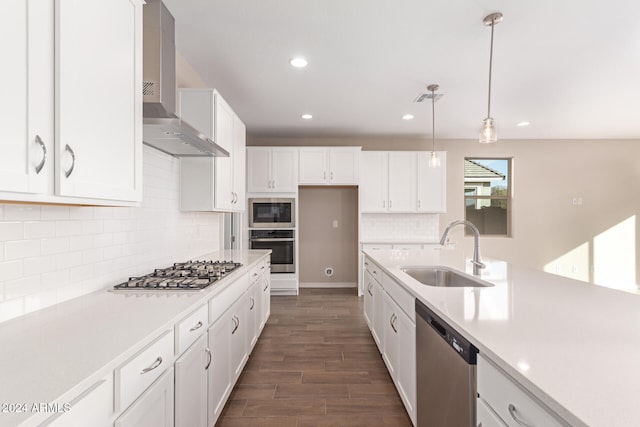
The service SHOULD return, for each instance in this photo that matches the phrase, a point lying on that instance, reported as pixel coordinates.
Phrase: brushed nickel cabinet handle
(331, 175)
(253, 303)
(67, 174)
(210, 358)
(44, 154)
(236, 322)
(418, 203)
(389, 204)
(266, 286)
(393, 322)
(153, 366)
(369, 288)
(196, 327)
(514, 414)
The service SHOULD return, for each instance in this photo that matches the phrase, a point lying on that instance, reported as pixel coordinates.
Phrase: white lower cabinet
(220, 381)
(394, 331)
(508, 400)
(93, 407)
(154, 408)
(191, 385)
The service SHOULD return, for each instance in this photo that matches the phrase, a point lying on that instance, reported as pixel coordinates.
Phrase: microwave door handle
(272, 240)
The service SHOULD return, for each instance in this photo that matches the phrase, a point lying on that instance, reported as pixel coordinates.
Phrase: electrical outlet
(335, 223)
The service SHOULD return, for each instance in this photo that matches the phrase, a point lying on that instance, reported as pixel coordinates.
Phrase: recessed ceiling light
(298, 62)
(407, 117)
(307, 116)
(523, 124)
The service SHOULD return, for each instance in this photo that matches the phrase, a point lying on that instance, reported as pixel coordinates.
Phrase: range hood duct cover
(162, 128)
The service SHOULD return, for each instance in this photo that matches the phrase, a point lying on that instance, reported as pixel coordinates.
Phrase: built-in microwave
(272, 213)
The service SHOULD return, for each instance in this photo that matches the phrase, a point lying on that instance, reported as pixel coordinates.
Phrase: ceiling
(571, 67)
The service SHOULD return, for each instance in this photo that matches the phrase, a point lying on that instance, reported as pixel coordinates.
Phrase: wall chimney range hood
(162, 128)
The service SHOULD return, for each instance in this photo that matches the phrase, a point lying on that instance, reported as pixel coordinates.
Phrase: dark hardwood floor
(315, 365)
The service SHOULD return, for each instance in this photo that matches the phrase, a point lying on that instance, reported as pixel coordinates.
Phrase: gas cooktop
(182, 276)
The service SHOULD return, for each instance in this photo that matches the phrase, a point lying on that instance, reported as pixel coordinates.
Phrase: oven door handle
(272, 240)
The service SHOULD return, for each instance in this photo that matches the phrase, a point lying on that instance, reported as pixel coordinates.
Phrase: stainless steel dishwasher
(446, 373)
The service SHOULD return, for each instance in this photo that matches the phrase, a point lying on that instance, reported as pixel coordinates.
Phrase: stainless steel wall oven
(282, 244)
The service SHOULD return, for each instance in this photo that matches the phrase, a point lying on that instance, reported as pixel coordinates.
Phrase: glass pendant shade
(434, 160)
(488, 134)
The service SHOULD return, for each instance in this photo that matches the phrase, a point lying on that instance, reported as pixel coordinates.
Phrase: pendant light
(488, 134)
(434, 159)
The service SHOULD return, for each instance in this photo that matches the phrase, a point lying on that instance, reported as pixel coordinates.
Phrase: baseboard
(328, 285)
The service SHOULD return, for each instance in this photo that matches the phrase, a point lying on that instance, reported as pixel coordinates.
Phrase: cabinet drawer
(485, 417)
(190, 328)
(509, 400)
(403, 298)
(373, 269)
(136, 374)
(221, 302)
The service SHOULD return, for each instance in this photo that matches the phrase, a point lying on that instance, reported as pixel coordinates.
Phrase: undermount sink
(440, 276)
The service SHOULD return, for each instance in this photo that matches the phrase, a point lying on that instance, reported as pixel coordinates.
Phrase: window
(487, 195)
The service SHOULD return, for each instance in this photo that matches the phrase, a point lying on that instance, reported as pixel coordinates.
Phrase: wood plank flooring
(315, 365)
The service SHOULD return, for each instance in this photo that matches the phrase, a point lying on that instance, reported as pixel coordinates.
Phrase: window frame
(508, 197)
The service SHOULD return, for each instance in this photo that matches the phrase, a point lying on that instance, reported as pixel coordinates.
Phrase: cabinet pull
(153, 366)
(196, 327)
(44, 154)
(236, 323)
(73, 161)
(366, 264)
(331, 177)
(210, 358)
(324, 175)
(384, 203)
(266, 286)
(253, 303)
(369, 289)
(514, 414)
(389, 204)
(418, 203)
(254, 274)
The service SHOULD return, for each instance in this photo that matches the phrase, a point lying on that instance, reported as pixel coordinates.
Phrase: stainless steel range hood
(162, 129)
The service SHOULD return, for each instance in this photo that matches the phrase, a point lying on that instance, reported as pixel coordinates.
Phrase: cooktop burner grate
(190, 275)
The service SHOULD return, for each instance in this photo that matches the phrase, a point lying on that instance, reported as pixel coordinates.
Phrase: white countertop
(53, 354)
(573, 345)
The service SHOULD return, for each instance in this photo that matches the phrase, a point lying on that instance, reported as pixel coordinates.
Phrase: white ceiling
(570, 67)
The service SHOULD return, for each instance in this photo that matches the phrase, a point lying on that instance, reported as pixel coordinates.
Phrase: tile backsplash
(397, 227)
(49, 254)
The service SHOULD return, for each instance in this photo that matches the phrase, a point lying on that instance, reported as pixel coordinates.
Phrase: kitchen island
(573, 346)
(52, 358)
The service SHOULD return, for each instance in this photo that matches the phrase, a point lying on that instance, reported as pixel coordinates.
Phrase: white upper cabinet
(329, 165)
(401, 181)
(272, 170)
(98, 99)
(432, 184)
(72, 132)
(212, 183)
(26, 81)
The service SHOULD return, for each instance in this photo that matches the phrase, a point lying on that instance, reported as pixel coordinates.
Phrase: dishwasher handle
(437, 326)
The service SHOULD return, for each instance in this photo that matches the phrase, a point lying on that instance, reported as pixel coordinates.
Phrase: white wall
(49, 254)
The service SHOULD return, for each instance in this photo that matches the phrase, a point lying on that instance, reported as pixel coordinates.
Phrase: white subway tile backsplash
(56, 253)
(39, 229)
(400, 227)
(19, 249)
(21, 212)
(11, 231)
(55, 245)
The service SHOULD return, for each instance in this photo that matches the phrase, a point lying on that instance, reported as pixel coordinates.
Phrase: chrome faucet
(477, 265)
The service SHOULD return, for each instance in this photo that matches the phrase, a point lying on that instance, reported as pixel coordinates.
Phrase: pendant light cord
(490, 65)
(433, 121)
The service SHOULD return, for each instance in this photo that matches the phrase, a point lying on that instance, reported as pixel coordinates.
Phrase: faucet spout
(477, 264)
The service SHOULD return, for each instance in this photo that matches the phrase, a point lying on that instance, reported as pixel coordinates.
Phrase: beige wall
(321, 244)
(597, 240)
(186, 76)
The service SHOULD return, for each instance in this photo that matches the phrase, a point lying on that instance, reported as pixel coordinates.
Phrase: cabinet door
(219, 372)
(191, 386)
(258, 170)
(238, 325)
(266, 298)
(374, 189)
(94, 407)
(239, 164)
(313, 164)
(406, 362)
(284, 170)
(368, 299)
(253, 319)
(431, 184)
(391, 339)
(344, 164)
(402, 181)
(154, 408)
(26, 115)
(378, 315)
(98, 106)
(224, 137)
